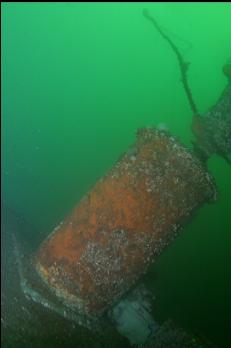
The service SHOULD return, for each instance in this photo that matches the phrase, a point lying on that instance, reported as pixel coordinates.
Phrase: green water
(78, 80)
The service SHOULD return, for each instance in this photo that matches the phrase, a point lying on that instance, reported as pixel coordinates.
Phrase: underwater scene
(116, 175)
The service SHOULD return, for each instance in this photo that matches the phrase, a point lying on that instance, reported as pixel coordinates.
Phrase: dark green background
(78, 80)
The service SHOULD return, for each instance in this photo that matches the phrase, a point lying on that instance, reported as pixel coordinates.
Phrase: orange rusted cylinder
(123, 223)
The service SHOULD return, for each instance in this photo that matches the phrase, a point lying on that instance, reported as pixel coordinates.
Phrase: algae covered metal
(126, 220)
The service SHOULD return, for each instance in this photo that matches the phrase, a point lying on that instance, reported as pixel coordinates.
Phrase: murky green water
(78, 80)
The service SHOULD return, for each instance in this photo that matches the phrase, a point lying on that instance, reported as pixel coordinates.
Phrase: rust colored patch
(124, 222)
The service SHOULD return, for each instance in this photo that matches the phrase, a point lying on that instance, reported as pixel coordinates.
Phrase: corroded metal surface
(123, 223)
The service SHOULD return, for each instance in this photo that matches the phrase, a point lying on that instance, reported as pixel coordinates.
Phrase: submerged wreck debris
(87, 266)
(212, 130)
(123, 223)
